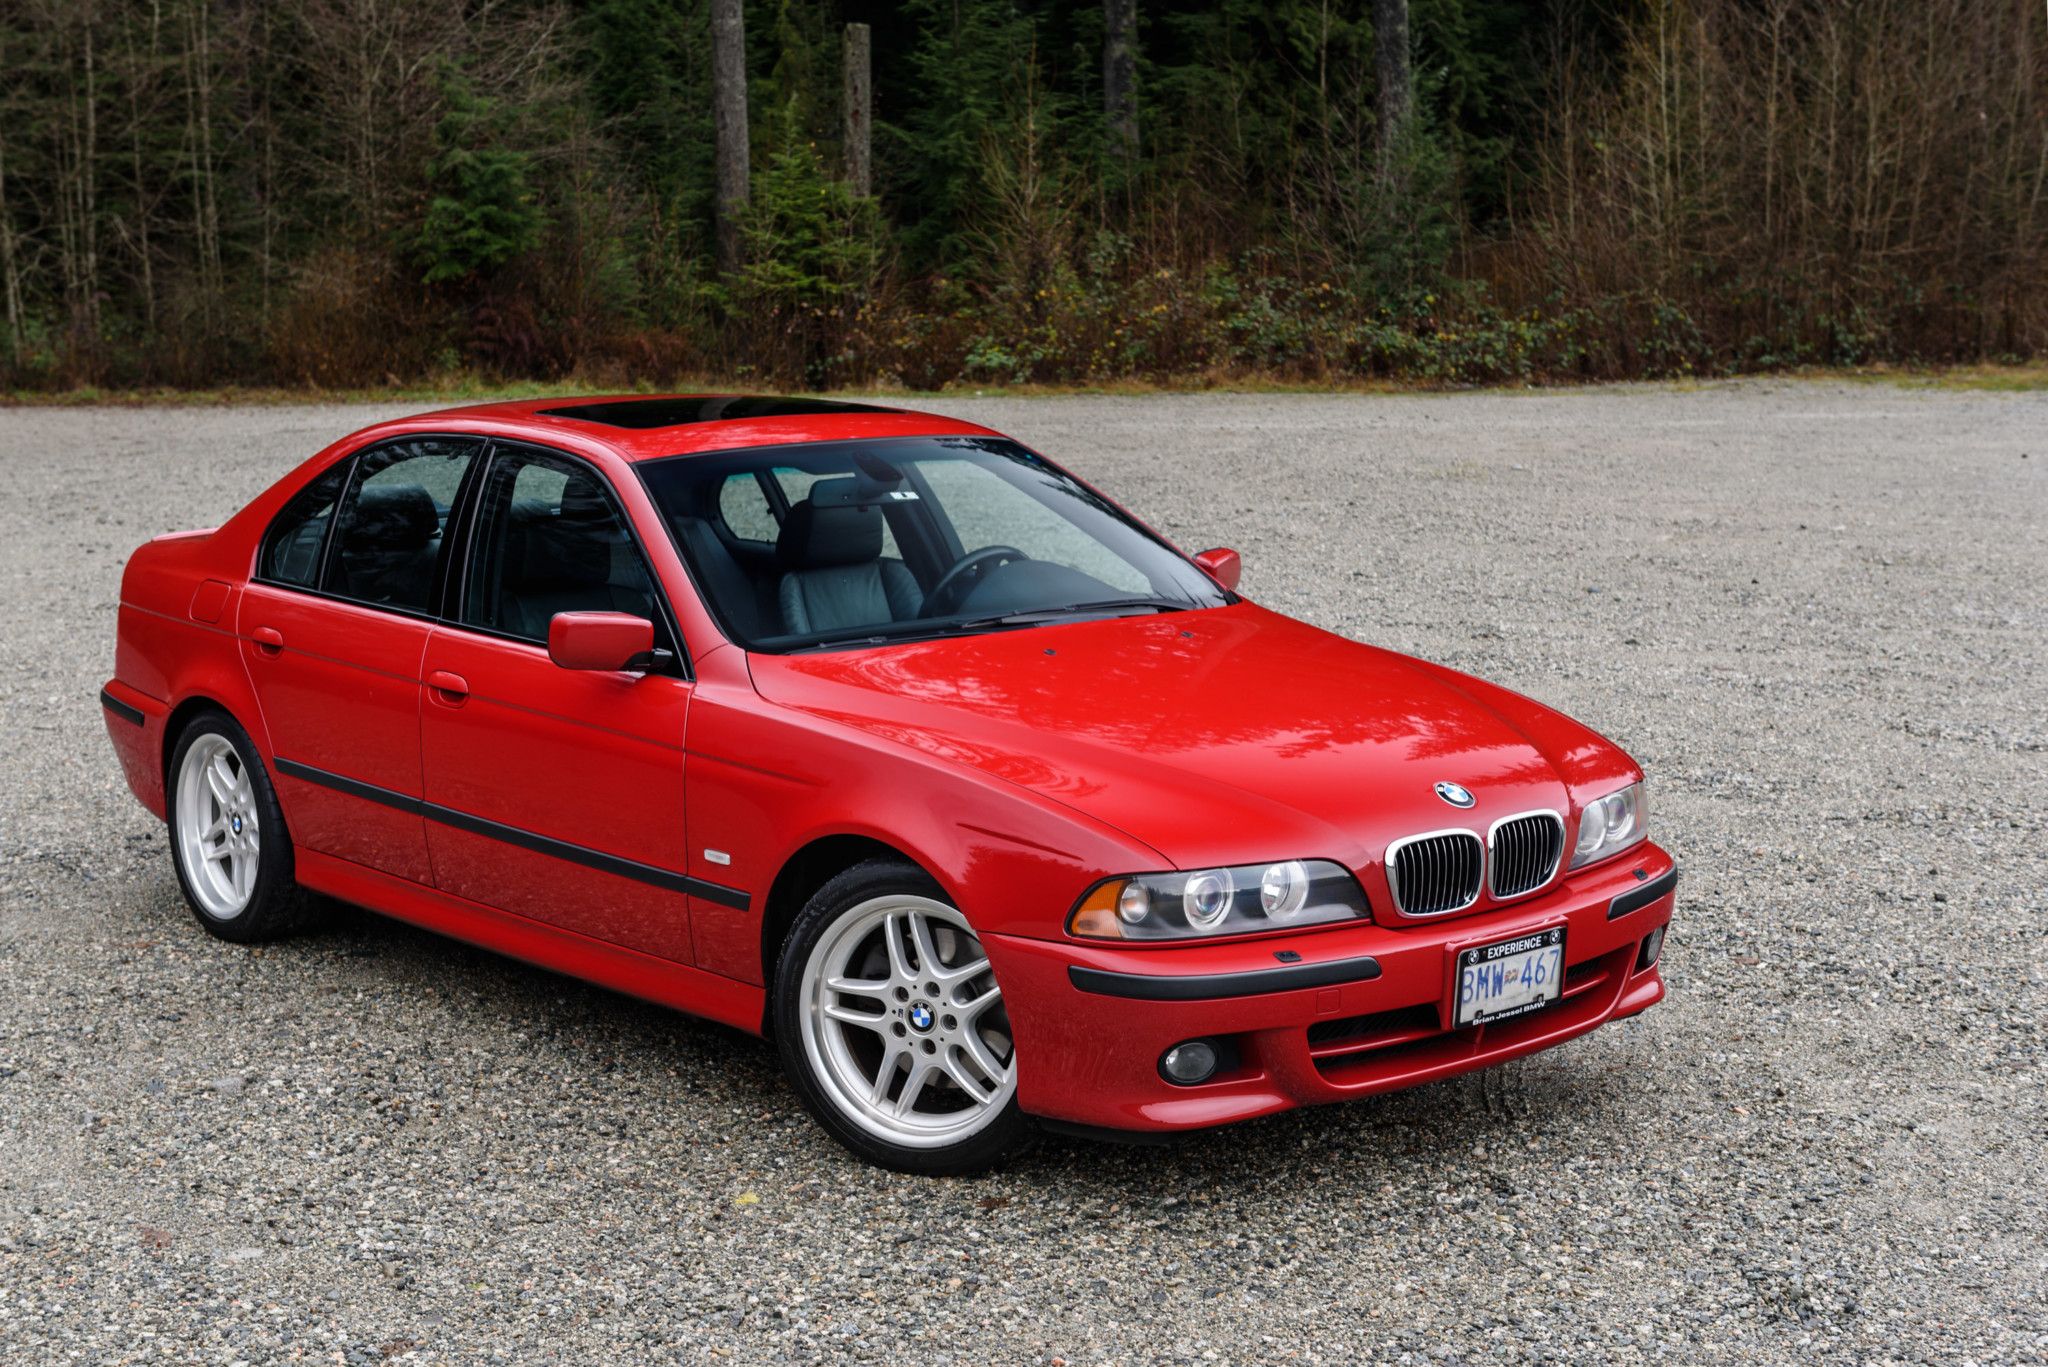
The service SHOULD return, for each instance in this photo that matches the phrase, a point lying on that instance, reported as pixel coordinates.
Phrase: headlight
(1203, 902)
(1611, 824)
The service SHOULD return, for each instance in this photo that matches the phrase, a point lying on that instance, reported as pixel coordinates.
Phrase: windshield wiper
(1031, 617)
(841, 642)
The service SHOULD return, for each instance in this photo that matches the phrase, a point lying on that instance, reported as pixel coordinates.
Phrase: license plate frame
(1540, 951)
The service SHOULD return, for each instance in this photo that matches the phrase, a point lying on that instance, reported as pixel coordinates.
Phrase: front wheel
(892, 1027)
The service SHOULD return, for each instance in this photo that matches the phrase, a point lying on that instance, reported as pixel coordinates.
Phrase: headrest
(398, 517)
(583, 500)
(820, 531)
(567, 544)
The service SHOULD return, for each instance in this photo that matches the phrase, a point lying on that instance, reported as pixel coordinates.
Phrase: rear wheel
(892, 1027)
(228, 838)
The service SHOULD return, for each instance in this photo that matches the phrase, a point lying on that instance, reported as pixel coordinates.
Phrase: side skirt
(718, 998)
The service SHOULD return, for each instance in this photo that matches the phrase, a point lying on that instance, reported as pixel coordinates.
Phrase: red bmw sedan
(879, 734)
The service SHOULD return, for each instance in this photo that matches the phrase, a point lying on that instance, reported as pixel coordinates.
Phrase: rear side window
(387, 536)
(292, 546)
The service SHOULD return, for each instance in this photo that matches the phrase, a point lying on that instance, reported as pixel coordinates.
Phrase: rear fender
(176, 651)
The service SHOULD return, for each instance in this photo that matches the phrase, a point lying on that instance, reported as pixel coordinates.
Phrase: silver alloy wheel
(903, 1024)
(217, 837)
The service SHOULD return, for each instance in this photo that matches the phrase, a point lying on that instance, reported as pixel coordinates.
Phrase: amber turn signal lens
(1096, 916)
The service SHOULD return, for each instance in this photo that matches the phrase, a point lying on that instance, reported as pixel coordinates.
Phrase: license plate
(1510, 978)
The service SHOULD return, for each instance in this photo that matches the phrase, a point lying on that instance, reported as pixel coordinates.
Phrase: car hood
(1229, 735)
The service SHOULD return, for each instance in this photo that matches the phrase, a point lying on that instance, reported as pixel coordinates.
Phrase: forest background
(818, 195)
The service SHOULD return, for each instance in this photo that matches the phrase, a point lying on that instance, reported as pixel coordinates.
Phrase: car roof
(650, 426)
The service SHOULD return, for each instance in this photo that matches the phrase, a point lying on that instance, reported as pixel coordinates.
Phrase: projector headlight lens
(1207, 897)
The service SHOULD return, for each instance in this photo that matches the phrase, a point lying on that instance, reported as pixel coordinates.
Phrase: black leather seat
(834, 576)
(747, 600)
(570, 558)
(389, 543)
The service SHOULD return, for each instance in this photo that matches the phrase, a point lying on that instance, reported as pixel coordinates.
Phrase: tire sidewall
(1000, 1138)
(268, 912)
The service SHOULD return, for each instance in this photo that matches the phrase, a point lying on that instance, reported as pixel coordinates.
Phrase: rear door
(552, 793)
(333, 628)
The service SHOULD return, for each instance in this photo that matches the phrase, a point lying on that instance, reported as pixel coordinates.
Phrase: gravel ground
(1814, 612)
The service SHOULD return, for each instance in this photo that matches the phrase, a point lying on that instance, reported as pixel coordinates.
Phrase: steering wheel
(953, 585)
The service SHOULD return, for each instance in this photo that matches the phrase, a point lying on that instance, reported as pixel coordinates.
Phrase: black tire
(277, 906)
(1009, 1132)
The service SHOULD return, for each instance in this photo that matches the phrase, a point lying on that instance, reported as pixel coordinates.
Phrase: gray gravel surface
(1815, 613)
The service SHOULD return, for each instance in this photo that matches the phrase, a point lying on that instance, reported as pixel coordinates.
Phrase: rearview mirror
(603, 640)
(1222, 564)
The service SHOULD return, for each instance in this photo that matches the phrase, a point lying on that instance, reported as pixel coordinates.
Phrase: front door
(333, 628)
(553, 793)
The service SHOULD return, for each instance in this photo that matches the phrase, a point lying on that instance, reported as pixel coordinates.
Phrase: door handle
(269, 640)
(448, 688)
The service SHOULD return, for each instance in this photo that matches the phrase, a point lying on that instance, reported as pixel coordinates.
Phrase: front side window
(907, 538)
(550, 540)
(292, 546)
(389, 531)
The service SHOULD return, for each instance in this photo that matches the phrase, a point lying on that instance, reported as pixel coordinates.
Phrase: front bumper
(1363, 1010)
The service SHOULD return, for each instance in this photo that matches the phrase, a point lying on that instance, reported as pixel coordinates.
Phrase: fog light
(1189, 1063)
(1653, 945)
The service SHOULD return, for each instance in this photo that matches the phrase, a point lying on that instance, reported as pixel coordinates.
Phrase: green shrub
(483, 212)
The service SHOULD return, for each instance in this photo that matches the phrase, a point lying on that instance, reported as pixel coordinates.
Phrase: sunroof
(643, 414)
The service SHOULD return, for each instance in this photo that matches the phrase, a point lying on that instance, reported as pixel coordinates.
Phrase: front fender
(765, 782)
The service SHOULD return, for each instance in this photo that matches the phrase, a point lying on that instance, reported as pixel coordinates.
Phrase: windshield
(849, 543)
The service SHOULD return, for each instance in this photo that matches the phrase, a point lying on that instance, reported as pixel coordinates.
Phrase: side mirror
(1223, 565)
(602, 640)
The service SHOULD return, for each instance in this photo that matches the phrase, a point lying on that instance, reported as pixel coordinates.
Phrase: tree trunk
(92, 186)
(75, 164)
(142, 72)
(10, 267)
(206, 195)
(266, 117)
(88, 190)
(1396, 78)
(858, 97)
(1120, 76)
(729, 122)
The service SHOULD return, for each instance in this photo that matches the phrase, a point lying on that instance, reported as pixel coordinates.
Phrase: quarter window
(550, 540)
(388, 536)
(292, 546)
